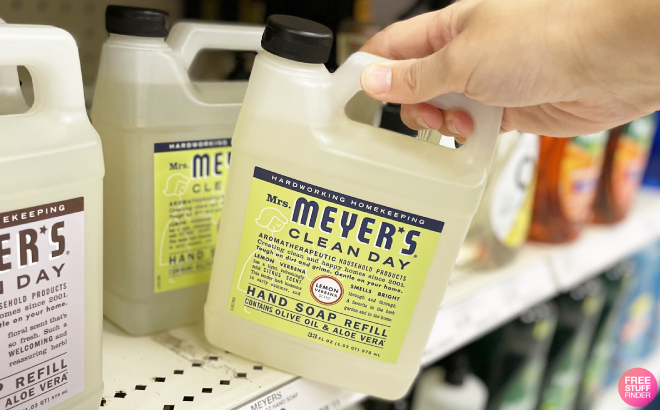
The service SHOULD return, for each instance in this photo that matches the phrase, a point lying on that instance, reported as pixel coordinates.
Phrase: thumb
(415, 80)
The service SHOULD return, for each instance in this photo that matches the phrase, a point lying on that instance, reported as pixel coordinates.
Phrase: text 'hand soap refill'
(167, 143)
(50, 228)
(337, 238)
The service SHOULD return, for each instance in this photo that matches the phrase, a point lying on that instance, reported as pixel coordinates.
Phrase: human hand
(559, 68)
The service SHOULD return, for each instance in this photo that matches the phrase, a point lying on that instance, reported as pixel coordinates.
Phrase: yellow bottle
(50, 228)
(337, 238)
(167, 146)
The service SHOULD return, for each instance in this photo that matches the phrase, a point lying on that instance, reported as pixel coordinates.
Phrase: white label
(303, 394)
(511, 201)
(42, 305)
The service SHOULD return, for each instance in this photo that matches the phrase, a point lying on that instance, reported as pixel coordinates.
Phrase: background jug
(50, 227)
(167, 144)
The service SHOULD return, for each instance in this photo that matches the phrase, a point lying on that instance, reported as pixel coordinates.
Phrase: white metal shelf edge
(474, 304)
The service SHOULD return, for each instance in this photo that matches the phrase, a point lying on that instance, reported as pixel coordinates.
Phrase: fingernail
(451, 127)
(377, 79)
(421, 123)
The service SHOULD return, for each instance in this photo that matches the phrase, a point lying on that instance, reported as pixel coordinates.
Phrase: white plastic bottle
(50, 228)
(450, 386)
(501, 224)
(167, 146)
(337, 238)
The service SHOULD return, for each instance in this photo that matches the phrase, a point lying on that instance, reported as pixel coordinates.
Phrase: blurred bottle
(652, 173)
(600, 354)
(635, 318)
(354, 32)
(567, 180)
(502, 221)
(450, 386)
(579, 312)
(654, 337)
(511, 360)
(625, 160)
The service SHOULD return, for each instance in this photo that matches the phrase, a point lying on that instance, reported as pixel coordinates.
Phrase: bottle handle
(487, 120)
(10, 85)
(188, 39)
(51, 55)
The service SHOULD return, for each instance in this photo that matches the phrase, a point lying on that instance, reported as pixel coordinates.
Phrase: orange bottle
(625, 160)
(566, 187)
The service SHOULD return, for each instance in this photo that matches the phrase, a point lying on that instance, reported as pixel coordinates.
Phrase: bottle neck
(292, 67)
(156, 43)
(289, 91)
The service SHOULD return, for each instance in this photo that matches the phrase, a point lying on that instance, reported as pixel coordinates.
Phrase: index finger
(416, 37)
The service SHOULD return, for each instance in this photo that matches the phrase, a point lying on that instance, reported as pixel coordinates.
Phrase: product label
(578, 175)
(189, 189)
(513, 195)
(42, 305)
(630, 158)
(330, 268)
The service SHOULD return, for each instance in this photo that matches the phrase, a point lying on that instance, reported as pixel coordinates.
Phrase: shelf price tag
(303, 394)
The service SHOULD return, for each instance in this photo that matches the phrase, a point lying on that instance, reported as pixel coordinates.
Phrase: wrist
(616, 44)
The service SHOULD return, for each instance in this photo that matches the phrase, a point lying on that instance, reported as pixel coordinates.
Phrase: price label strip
(303, 394)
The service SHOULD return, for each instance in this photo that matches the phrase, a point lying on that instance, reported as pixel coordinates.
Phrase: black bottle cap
(297, 39)
(456, 367)
(390, 119)
(135, 21)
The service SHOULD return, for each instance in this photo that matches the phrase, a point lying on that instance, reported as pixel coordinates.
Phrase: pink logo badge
(638, 387)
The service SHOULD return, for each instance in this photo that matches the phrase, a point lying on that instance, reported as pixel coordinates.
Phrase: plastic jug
(167, 146)
(337, 238)
(501, 224)
(50, 228)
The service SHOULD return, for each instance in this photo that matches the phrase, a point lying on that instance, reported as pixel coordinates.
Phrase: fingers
(416, 80)
(458, 124)
(414, 38)
(455, 123)
(422, 116)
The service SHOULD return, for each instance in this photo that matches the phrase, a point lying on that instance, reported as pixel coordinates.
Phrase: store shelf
(475, 303)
